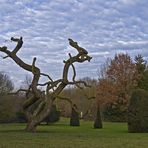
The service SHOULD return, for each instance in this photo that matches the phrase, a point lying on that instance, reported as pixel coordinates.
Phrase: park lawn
(61, 135)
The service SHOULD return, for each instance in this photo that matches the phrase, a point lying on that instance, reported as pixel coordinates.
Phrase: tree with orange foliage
(114, 89)
(123, 74)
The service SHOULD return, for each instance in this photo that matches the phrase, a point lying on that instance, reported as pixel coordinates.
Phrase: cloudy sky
(103, 27)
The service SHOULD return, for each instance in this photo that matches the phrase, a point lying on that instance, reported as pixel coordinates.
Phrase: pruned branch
(18, 46)
(82, 53)
(76, 46)
(16, 59)
(4, 49)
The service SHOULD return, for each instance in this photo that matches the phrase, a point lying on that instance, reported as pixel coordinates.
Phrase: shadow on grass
(23, 131)
(40, 129)
(54, 124)
(13, 131)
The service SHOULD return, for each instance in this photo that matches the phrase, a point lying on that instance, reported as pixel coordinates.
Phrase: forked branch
(18, 46)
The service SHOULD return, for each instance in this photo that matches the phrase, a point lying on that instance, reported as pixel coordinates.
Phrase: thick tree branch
(76, 46)
(39, 108)
(53, 84)
(29, 102)
(74, 72)
(33, 65)
(16, 59)
(18, 46)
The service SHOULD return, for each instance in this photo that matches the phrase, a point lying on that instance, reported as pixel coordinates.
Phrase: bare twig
(47, 76)
(14, 93)
(79, 82)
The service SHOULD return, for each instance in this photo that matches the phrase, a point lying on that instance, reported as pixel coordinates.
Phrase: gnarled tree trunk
(38, 103)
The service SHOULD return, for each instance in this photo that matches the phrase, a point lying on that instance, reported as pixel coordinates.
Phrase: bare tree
(38, 103)
(6, 84)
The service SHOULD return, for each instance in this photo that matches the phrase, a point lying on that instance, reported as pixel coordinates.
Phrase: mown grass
(61, 135)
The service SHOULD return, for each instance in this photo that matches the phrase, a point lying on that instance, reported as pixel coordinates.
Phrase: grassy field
(61, 135)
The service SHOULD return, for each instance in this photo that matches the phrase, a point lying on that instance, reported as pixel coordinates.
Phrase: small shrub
(54, 115)
(74, 119)
(21, 117)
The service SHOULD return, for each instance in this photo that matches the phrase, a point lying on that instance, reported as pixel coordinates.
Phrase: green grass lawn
(61, 135)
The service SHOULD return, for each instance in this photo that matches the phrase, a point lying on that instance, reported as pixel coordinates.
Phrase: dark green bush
(138, 111)
(116, 113)
(11, 111)
(54, 115)
(21, 117)
(7, 109)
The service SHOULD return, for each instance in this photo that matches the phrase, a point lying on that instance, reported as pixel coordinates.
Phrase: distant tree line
(11, 104)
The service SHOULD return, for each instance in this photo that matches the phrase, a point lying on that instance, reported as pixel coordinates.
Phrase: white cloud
(131, 2)
(102, 27)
